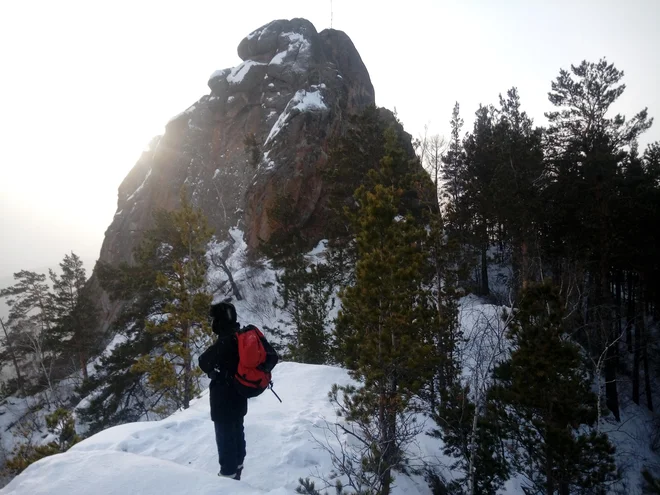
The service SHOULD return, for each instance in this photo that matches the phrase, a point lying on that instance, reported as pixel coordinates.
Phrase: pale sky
(85, 85)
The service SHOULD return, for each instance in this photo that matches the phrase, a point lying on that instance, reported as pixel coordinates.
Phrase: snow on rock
(219, 73)
(309, 100)
(255, 33)
(278, 125)
(238, 73)
(297, 43)
(269, 164)
(303, 101)
(318, 253)
(279, 57)
(258, 284)
(141, 186)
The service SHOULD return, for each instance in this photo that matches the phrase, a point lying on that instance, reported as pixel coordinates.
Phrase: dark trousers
(230, 438)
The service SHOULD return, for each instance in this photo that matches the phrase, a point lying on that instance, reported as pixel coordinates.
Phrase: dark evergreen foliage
(542, 398)
(133, 380)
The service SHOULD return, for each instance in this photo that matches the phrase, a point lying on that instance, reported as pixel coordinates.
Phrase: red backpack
(256, 360)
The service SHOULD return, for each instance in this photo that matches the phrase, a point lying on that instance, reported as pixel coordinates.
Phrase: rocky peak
(261, 134)
(289, 96)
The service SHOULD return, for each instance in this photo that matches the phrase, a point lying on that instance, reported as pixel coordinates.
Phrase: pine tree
(477, 203)
(544, 403)
(183, 326)
(61, 424)
(463, 416)
(117, 393)
(382, 329)
(454, 160)
(30, 322)
(651, 484)
(652, 162)
(304, 288)
(11, 353)
(584, 150)
(516, 186)
(167, 261)
(471, 435)
(75, 314)
(446, 335)
(305, 293)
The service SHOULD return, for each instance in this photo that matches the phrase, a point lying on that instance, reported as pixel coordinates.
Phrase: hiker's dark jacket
(226, 403)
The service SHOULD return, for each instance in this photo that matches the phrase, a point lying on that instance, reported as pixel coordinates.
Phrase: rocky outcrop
(261, 134)
(291, 94)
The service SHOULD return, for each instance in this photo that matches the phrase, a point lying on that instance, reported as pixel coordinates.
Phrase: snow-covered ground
(178, 454)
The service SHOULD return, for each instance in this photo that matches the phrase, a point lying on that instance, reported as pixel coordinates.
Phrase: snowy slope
(178, 455)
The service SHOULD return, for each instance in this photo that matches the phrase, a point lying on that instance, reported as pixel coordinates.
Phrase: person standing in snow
(228, 407)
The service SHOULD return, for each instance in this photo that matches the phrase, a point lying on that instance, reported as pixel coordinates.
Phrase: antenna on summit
(331, 14)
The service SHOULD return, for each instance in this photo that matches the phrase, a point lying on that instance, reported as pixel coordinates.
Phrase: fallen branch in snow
(219, 261)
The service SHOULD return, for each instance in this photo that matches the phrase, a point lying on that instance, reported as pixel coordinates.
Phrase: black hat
(224, 317)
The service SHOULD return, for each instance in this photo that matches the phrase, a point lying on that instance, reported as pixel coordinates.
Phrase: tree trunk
(485, 290)
(472, 471)
(383, 442)
(525, 265)
(187, 367)
(603, 321)
(516, 268)
(442, 381)
(10, 346)
(645, 358)
(637, 349)
(611, 392)
(234, 287)
(549, 477)
(388, 448)
(618, 280)
(647, 379)
(83, 365)
(630, 313)
(38, 350)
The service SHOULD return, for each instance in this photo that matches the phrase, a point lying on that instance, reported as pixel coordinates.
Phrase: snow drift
(178, 455)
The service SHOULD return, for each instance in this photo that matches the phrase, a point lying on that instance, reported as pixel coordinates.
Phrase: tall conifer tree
(383, 327)
(545, 405)
(75, 313)
(183, 327)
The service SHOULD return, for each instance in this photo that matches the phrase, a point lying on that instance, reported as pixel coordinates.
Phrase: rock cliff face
(261, 134)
